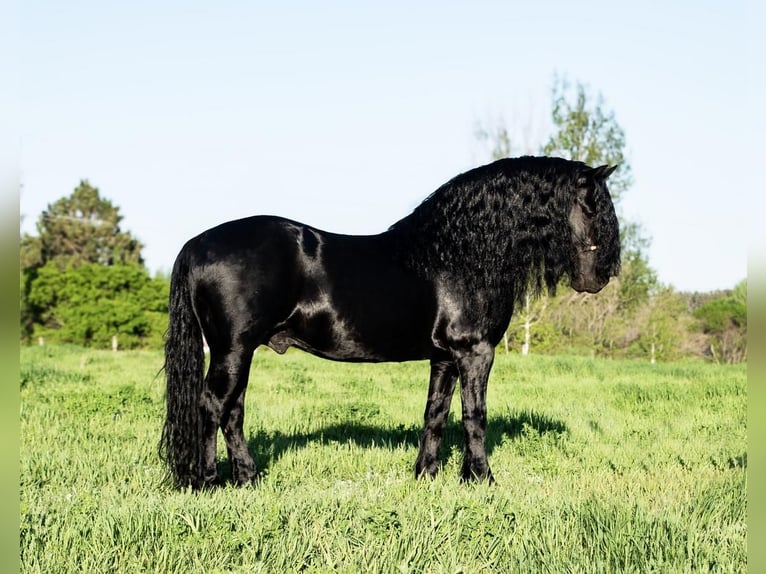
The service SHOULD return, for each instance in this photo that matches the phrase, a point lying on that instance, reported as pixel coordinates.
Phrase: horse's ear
(599, 173)
(603, 171)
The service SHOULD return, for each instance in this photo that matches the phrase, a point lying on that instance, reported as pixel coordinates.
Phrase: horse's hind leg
(222, 406)
(243, 469)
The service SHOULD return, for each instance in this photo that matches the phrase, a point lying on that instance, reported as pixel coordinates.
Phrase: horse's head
(595, 232)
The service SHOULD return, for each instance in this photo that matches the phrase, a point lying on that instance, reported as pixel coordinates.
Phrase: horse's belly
(338, 343)
(374, 318)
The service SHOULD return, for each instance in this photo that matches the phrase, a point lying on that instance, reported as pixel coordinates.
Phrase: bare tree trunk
(527, 325)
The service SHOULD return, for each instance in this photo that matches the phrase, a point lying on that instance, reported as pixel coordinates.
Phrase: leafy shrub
(90, 304)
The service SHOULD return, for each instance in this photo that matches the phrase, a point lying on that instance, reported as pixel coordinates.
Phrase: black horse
(440, 285)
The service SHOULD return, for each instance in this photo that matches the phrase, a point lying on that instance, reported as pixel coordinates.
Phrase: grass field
(602, 466)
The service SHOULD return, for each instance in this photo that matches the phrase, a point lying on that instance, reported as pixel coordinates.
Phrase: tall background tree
(83, 279)
(78, 229)
(587, 131)
(635, 315)
(584, 129)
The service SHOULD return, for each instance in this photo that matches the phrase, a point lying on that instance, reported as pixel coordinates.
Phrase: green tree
(634, 315)
(83, 280)
(638, 281)
(90, 304)
(662, 329)
(584, 129)
(78, 229)
(588, 132)
(724, 321)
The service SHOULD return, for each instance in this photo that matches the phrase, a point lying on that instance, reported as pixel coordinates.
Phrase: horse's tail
(184, 372)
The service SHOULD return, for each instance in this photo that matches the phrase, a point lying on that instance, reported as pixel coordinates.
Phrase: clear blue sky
(346, 114)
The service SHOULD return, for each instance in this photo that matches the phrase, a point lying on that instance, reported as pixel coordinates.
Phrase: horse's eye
(586, 209)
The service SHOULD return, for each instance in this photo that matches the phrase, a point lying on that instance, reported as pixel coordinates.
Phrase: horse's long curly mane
(506, 224)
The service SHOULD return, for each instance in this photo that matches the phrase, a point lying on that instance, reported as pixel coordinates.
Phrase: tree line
(83, 279)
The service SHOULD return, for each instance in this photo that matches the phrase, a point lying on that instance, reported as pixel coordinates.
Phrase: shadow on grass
(268, 447)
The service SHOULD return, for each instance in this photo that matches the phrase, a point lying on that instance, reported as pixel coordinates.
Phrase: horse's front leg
(474, 365)
(440, 390)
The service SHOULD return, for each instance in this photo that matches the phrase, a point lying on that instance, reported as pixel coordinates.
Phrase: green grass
(602, 466)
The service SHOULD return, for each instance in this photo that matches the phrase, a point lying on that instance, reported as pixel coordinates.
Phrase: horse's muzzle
(589, 284)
